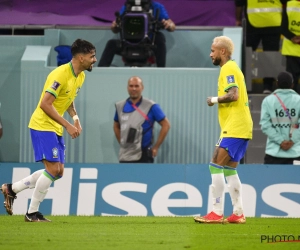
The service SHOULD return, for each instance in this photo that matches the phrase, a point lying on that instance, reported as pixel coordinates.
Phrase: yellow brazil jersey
(64, 85)
(234, 117)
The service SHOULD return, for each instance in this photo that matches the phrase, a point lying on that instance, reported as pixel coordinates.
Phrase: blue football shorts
(236, 147)
(48, 146)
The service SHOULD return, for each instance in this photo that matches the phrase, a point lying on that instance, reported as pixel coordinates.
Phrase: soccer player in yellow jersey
(46, 128)
(236, 130)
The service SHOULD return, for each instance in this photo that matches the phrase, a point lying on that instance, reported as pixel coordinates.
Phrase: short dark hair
(82, 46)
(285, 80)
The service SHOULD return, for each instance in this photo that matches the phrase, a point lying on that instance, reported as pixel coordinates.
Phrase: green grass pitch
(99, 232)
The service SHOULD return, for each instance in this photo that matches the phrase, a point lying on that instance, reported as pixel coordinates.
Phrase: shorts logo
(55, 85)
(55, 152)
(230, 79)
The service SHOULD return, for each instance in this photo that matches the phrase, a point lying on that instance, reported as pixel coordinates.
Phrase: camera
(137, 32)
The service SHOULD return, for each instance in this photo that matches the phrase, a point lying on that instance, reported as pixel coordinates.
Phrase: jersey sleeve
(229, 78)
(116, 118)
(163, 14)
(122, 10)
(157, 112)
(55, 83)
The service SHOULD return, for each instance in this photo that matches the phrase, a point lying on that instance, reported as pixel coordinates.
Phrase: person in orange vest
(263, 22)
(290, 28)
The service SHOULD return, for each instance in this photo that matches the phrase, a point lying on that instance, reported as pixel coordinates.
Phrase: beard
(134, 97)
(90, 68)
(217, 61)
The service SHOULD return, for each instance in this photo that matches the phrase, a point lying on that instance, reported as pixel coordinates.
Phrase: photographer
(113, 46)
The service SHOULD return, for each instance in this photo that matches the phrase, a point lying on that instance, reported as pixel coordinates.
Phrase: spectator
(236, 131)
(263, 19)
(290, 28)
(280, 118)
(113, 46)
(134, 122)
(46, 128)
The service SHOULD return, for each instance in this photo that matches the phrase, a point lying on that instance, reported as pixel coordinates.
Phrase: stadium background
(181, 90)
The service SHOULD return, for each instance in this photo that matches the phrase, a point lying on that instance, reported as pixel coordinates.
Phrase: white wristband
(214, 100)
(75, 117)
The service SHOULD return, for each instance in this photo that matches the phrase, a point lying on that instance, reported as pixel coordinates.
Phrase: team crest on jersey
(55, 152)
(230, 79)
(55, 85)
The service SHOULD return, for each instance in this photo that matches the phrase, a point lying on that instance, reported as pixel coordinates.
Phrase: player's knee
(60, 173)
(54, 168)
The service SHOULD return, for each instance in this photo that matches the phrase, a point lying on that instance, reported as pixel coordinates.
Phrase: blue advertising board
(157, 190)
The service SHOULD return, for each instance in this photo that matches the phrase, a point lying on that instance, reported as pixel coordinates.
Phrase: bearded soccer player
(236, 131)
(46, 128)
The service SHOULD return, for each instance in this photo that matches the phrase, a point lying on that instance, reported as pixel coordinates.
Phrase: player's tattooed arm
(231, 96)
(71, 110)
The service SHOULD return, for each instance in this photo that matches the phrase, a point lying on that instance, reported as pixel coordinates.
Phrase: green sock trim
(57, 177)
(48, 175)
(228, 171)
(215, 169)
